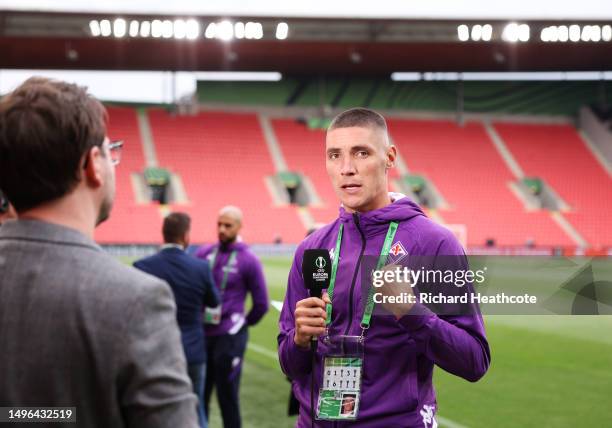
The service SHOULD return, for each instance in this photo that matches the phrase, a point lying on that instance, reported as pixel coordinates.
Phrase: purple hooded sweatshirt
(245, 275)
(399, 354)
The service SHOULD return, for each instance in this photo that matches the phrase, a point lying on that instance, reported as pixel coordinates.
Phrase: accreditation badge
(340, 392)
(212, 315)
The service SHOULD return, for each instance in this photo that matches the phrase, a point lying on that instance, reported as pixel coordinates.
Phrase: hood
(400, 209)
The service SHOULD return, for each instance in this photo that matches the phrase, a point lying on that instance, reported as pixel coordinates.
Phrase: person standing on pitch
(78, 328)
(236, 271)
(194, 290)
(383, 364)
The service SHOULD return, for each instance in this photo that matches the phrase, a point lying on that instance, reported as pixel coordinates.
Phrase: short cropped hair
(359, 117)
(46, 128)
(176, 225)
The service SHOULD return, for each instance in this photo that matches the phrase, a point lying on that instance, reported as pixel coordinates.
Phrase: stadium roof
(438, 36)
(382, 9)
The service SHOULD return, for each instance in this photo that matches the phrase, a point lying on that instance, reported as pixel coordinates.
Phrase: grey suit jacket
(78, 328)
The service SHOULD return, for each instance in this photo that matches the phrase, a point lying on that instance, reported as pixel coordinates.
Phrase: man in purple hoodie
(399, 350)
(236, 271)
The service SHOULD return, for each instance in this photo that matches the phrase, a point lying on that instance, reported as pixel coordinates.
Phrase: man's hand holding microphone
(310, 318)
(310, 313)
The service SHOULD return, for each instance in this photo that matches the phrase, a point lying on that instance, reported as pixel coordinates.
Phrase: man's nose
(347, 167)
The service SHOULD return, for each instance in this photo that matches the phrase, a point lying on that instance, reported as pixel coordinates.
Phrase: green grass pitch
(546, 371)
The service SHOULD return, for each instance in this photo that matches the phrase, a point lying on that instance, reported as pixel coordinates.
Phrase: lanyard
(225, 270)
(382, 259)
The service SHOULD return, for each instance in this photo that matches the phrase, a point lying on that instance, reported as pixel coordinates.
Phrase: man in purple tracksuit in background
(400, 350)
(236, 271)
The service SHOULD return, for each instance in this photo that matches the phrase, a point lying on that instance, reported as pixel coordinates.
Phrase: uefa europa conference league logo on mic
(316, 270)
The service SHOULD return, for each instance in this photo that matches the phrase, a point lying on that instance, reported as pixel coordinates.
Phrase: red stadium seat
(557, 154)
(304, 152)
(129, 222)
(465, 167)
(223, 159)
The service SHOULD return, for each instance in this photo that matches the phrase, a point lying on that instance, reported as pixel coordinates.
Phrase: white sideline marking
(262, 350)
(444, 422)
(448, 423)
(276, 304)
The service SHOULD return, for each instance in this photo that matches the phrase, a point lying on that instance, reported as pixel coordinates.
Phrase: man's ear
(391, 156)
(93, 170)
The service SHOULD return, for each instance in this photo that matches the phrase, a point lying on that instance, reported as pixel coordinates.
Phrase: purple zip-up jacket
(399, 355)
(245, 275)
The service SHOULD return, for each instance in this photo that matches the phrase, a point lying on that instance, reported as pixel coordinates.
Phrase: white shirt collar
(170, 245)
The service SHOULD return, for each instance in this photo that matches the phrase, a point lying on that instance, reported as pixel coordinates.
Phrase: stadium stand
(129, 221)
(246, 93)
(558, 154)
(357, 93)
(473, 179)
(222, 159)
(532, 98)
(304, 152)
(460, 161)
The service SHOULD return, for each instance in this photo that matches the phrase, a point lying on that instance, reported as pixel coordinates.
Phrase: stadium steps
(272, 143)
(556, 153)
(278, 194)
(148, 146)
(280, 164)
(223, 159)
(177, 188)
(569, 229)
(131, 221)
(519, 174)
(597, 154)
(304, 152)
(307, 218)
(597, 135)
(503, 151)
(468, 171)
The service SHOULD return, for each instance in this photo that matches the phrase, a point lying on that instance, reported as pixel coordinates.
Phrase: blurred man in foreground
(193, 288)
(77, 327)
(236, 271)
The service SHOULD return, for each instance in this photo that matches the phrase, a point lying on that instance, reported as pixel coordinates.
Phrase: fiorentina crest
(397, 253)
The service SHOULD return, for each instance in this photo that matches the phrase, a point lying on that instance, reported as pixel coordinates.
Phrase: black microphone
(316, 271)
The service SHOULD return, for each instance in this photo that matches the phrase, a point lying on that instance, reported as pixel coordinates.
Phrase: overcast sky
(127, 86)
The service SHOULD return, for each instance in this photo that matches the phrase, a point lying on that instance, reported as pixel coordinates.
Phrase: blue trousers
(197, 373)
(223, 370)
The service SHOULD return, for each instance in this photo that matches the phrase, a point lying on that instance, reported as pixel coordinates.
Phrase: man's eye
(334, 155)
(362, 154)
